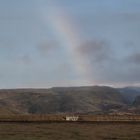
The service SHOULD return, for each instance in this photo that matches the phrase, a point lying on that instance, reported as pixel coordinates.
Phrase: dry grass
(69, 131)
(62, 118)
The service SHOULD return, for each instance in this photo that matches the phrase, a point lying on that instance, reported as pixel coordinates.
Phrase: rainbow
(67, 34)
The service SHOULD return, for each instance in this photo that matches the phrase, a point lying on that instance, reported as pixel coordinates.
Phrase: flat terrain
(69, 131)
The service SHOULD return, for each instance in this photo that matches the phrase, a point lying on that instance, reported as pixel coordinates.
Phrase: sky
(49, 43)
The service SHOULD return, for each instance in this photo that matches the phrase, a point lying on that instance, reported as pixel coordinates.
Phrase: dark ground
(69, 131)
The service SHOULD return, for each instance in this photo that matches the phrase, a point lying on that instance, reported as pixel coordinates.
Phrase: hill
(130, 93)
(93, 100)
(136, 102)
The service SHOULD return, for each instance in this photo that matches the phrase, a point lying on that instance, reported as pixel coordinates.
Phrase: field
(69, 131)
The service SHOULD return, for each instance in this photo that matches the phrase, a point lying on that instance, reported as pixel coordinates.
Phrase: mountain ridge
(84, 100)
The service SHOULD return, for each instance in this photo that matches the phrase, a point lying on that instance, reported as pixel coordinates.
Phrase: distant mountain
(130, 93)
(134, 108)
(136, 102)
(135, 88)
(94, 100)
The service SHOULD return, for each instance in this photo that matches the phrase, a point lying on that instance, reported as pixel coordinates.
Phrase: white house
(72, 118)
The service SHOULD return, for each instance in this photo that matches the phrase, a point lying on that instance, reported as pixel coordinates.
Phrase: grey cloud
(7, 43)
(123, 71)
(130, 16)
(107, 66)
(47, 48)
(21, 59)
(105, 18)
(26, 59)
(130, 45)
(96, 51)
(134, 58)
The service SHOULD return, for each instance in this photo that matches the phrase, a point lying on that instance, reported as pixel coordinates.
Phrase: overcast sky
(47, 43)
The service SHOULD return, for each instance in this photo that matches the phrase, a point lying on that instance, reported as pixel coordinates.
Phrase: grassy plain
(69, 131)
